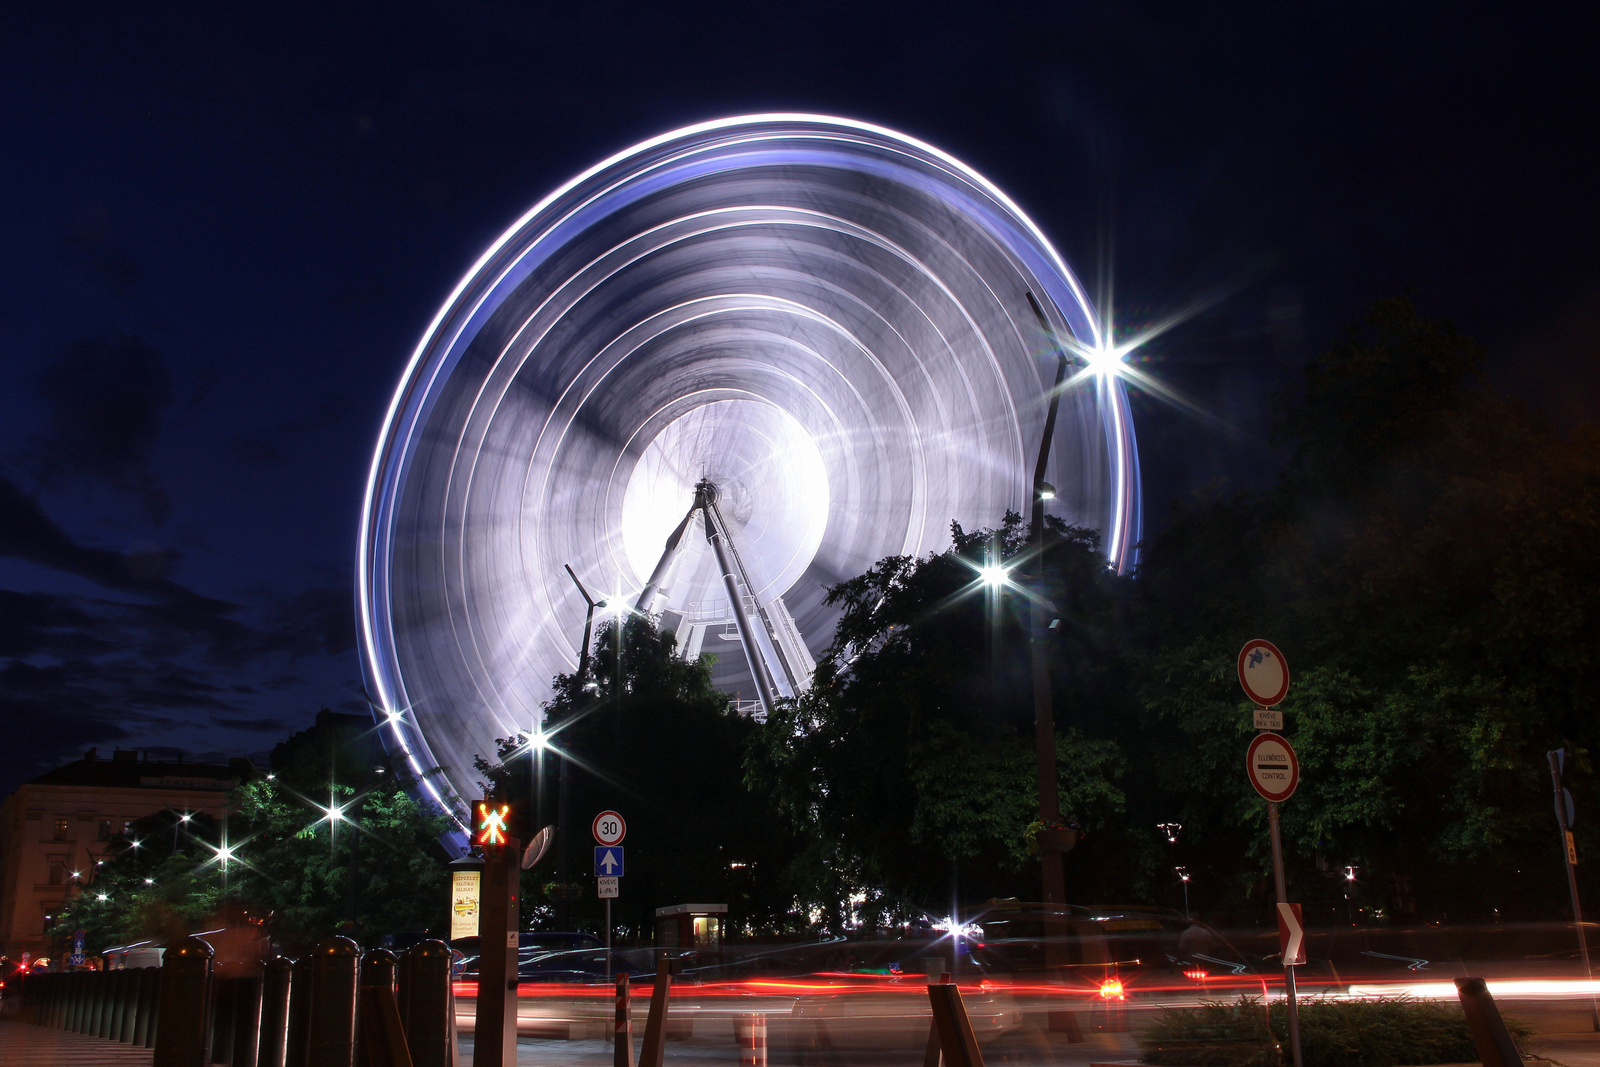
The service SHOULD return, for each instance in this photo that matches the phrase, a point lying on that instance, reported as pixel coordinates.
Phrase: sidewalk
(24, 1043)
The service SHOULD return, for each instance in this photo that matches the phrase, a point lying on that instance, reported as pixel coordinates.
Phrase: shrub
(1333, 1033)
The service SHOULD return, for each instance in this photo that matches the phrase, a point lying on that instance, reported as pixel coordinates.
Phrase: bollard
(427, 1005)
(130, 1004)
(1495, 1047)
(381, 1035)
(144, 1004)
(74, 984)
(181, 1037)
(122, 1015)
(152, 1005)
(331, 1013)
(223, 992)
(105, 988)
(655, 1024)
(751, 1030)
(622, 1036)
(246, 1021)
(299, 1011)
(274, 1026)
(958, 1045)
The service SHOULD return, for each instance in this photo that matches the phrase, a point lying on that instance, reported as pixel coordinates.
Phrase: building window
(58, 872)
(104, 833)
(127, 829)
(61, 829)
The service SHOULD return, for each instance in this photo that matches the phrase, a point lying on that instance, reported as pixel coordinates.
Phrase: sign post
(1275, 773)
(1565, 814)
(609, 829)
(494, 1035)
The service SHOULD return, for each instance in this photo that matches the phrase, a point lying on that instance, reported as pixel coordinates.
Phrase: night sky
(224, 229)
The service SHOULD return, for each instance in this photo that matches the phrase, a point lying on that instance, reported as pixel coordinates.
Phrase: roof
(126, 770)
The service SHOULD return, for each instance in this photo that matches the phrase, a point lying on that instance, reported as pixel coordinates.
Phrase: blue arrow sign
(607, 861)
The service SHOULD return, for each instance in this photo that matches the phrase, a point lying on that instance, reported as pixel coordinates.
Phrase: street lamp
(1349, 892)
(1183, 876)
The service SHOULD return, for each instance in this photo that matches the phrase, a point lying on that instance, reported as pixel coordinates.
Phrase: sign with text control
(1274, 770)
(609, 829)
(608, 861)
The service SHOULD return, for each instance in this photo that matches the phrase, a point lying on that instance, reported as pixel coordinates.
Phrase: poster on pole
(465, 894)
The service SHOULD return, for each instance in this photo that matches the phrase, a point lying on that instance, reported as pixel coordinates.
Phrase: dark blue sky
(223, 230)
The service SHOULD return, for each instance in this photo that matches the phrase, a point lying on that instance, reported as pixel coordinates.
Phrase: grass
(1333, 1033)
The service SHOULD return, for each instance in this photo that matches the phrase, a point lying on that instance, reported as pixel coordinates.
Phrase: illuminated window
(61, 829)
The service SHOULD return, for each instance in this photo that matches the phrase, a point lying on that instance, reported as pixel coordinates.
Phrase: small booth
(693, 928)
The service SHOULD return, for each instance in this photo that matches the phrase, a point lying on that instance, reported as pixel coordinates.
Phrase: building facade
(58, 827)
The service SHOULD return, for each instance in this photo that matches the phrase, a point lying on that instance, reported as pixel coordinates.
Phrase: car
(531, 945)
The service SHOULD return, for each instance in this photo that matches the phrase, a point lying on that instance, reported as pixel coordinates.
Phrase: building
(55, 828)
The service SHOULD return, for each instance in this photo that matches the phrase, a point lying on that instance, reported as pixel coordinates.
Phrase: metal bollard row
(334, 1008)
(113, 1005)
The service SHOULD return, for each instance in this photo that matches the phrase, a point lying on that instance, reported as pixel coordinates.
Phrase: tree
(911, 759)
(652, 738)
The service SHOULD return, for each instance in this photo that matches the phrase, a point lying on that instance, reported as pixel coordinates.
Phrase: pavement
(24, 1043)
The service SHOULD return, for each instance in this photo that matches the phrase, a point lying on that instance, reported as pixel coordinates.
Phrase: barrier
(622, 1027)
(182, 1038)
(958, 1045)
(751, 1033)
(273, 1047)
(655, 1024)
(1489, 1034)
(427, 1004)
(381, 1035)
(331, 1011)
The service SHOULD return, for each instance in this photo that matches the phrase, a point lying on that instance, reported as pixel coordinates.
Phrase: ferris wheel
(706, 379)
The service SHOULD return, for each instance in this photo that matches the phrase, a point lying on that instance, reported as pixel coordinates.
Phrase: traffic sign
(1263, 672)
(608, 887)
(608, 861)
(1269, 719)
(1291, 935)
(609, 829)
(1274, 770)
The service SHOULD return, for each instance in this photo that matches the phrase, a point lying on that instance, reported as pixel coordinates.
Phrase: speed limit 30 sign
(609, 829)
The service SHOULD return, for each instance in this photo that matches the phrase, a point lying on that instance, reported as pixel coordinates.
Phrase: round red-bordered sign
(1263, 672)
(609, 829)
(1274, 768)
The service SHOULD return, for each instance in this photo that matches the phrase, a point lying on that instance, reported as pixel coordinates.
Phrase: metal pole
(1053, 874)
(1557, 758)
(608, 939)
(1288, 969)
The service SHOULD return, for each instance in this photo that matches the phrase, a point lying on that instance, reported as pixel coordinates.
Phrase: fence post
(130, 1005)
(382, 1035)
(299, 1011)
(957, 1043)
(246, 1020)
(331, 1014)
(1495, 1047)
(428, 1005)
(273, 1048)
(224, 991)
(144, 1013)
(181, 1037)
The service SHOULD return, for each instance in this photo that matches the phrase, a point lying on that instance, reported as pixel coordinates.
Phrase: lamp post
(1054, 841)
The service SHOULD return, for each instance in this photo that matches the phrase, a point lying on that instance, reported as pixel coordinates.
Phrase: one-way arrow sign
(607, 861)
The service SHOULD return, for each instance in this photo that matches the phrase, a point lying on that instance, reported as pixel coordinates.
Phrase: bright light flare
(994, 575)
(1111, 989)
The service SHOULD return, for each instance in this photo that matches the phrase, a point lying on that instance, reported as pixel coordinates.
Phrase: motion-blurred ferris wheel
(714, 375)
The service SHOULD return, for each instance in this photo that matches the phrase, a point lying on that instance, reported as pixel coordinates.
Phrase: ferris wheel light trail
(823, 319)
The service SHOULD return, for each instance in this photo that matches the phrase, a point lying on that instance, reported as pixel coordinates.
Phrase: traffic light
(493, 824)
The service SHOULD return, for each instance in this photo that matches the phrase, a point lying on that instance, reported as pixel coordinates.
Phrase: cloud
(144, 655)
(264, 449)
(106, 395)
